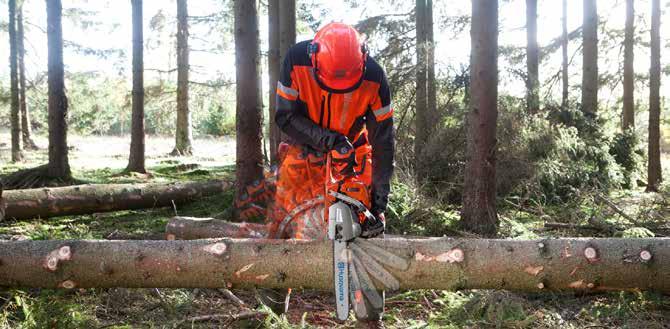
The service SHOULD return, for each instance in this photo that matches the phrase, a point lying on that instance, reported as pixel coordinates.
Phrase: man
(333, 97)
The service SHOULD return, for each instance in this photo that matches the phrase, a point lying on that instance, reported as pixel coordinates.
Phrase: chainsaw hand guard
(373, 226)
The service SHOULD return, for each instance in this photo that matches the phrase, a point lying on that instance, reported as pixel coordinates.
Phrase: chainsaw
(343, 229)
(345, 215)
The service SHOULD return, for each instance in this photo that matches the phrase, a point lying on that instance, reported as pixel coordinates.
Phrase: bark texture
(286, 26)
(564, 50)
(26, 127)
(274, 64)
(590, 61)
(532, 59)
(431, 87)
(287, 37)
(249, 109)
(654, 165)
(421, 115)
(87, 199)
(136, 159)
(479, 192)
(59, 164)
(520, 265)
(17, 149)
(628, 119)
(191, 228)
(183, 133)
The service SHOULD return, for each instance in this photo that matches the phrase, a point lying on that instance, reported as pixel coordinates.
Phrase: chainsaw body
(343, 227)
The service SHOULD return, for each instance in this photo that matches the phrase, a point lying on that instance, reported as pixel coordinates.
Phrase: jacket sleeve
(291, 116)
(379, 123)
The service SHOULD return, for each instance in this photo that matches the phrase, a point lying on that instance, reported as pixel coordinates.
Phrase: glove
(343, 154)
(342, 145)
(374, 226)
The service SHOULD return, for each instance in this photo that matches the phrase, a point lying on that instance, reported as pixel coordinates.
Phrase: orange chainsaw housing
(303, 177)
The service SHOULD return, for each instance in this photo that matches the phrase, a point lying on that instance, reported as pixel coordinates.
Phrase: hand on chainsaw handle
(342, 145)
(374, 226)
(343, 153)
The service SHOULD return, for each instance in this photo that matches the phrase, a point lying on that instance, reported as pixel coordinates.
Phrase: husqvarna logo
(340, 280)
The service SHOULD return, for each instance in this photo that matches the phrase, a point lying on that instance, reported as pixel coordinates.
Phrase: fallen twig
(211, 317)
(229, 294)
(616, 209)
(570, 226)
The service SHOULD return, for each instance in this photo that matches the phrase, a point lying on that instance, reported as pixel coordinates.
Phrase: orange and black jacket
(313, 115)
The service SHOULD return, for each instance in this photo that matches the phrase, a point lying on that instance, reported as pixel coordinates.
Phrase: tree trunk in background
(249, 110)
(136, 161)
(287, 36)
(628, 120)
(590, 62)
(431, 106)
(479, 193)
(17, 150)
(184, 134)
(654, 165)
(532, 59)
(564, 48)
(286, 26)
(421, 115)
(26, 129)
(59, 166)
(274, 64)
(552, 265)
(89, 199)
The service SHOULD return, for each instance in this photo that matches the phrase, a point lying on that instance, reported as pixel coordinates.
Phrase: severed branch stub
(68, 284)
(591, 254)
(217, 248)
(56, 256)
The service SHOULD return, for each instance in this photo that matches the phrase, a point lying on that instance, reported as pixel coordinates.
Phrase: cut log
(192, 228)
(87, 199)
(434, 263)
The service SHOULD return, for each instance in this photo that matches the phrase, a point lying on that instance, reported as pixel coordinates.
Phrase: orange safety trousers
(298, 209)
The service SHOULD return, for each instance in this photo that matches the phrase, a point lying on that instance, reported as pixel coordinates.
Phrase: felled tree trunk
(436, 263)
(87, 199)
(191, 228)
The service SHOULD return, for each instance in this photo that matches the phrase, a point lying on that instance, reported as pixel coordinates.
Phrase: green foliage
(98, 105)
(47, 310)
(406, 215)
(494, 310)
(218, 121)
(626, 150)
(101, 105)
(636, 232)
(570, 163)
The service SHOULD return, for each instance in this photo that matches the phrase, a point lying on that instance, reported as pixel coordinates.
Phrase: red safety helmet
(338, 56)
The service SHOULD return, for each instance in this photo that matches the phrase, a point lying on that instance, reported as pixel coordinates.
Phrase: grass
(408, 214)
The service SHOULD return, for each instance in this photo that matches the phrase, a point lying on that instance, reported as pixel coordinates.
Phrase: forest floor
(101, 159)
